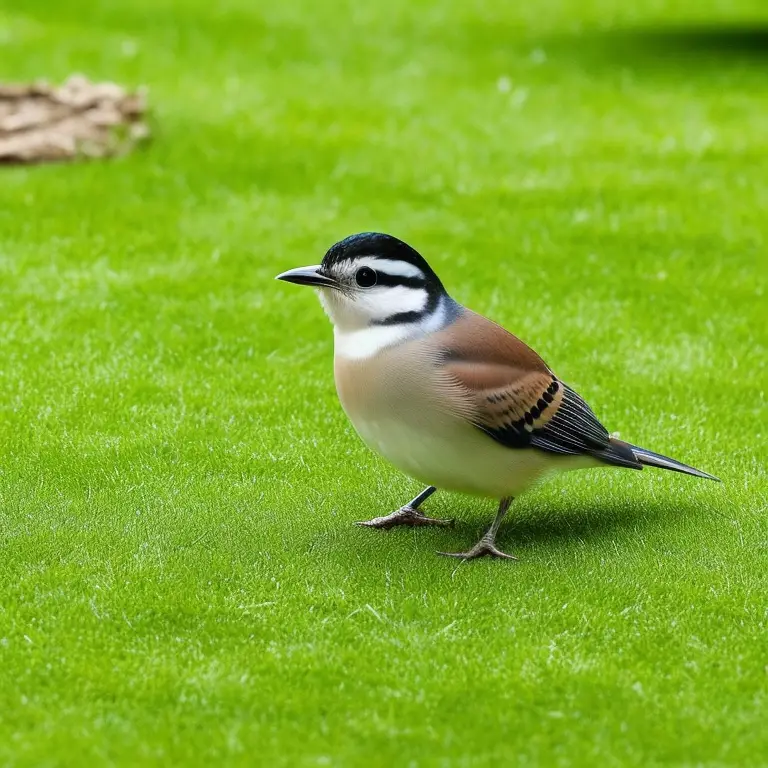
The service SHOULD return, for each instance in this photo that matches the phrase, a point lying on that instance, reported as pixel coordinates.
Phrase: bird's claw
(483, 548)
(404, 516)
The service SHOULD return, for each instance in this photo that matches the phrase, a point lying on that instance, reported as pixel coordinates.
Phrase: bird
(446, 395)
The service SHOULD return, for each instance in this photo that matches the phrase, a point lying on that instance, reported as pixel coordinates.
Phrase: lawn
(181, 581)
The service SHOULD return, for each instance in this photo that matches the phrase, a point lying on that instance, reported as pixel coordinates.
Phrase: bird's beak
(308, 276)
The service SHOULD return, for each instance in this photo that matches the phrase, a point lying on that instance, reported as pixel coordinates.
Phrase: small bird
(446, 395)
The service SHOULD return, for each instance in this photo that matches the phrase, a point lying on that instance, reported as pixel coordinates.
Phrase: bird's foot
(404, 516)
(481, 549)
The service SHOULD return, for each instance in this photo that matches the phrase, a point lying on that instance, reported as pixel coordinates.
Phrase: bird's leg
(407, 515)
(487, 545)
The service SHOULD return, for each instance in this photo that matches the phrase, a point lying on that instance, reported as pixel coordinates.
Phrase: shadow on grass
(578, 524)
(704, 40)
(698, 46)
(566, 528)
(574, 524)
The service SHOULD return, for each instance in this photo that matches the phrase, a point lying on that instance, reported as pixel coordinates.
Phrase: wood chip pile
(41, 123)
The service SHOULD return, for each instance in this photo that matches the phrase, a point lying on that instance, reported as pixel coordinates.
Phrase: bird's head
(371, 279)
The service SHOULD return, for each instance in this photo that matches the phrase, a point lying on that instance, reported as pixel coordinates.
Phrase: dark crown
(378, 245)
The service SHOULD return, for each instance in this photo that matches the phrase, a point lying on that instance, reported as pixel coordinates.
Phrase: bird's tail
(650, 459)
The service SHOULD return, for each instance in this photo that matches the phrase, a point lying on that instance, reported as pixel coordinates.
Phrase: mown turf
(181, 581)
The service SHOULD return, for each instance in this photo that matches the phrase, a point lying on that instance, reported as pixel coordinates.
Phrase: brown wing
(516, 398)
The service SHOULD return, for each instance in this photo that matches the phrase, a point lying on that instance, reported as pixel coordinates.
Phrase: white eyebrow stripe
(393, 267)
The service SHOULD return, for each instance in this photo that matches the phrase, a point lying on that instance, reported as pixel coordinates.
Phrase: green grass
(181, 580)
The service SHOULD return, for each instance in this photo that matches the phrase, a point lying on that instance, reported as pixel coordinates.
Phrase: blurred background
(589, 173)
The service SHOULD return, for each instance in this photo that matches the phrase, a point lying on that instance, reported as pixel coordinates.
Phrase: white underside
(456, 456)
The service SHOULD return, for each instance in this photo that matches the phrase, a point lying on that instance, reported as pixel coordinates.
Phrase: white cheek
(383, 302)
(370, 306)
(322, 294)
(339, 308)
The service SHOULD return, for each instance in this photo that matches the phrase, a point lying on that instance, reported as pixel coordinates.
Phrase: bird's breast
(404, 410)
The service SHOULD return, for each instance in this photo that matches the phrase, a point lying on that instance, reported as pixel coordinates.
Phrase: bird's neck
(358, 343)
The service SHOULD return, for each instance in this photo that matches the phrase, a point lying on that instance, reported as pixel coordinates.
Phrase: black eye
(365, 277)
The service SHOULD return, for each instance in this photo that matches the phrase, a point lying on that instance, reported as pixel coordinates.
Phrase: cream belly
(406, 409)
(459, 457)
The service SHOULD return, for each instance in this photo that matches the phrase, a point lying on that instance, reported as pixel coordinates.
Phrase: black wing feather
(574, 430)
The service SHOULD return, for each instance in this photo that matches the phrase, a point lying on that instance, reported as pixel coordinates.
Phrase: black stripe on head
(384, 278)
(379, 245)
